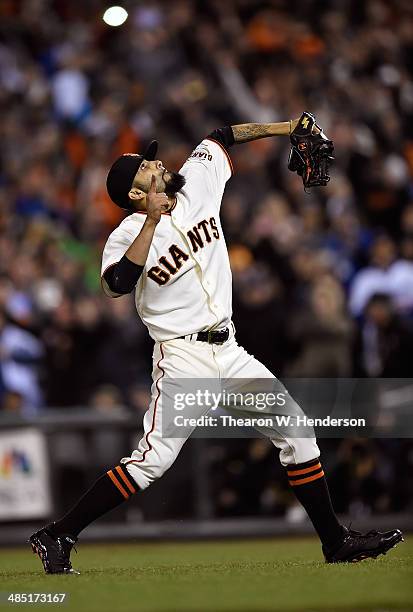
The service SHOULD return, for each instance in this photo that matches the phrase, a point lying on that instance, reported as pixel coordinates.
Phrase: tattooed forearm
(252, 131)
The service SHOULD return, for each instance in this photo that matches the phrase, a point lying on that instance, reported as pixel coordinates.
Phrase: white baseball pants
(188, 358)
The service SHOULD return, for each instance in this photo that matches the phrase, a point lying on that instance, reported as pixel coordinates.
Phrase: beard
(174, 184)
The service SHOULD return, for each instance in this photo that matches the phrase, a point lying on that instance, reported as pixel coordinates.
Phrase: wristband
(122, 277)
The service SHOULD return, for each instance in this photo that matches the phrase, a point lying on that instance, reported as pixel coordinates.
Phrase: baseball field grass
(248, 576)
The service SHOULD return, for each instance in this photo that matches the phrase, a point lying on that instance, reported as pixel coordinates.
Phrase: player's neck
(172, 202)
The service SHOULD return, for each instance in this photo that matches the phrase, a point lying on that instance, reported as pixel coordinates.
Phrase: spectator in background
(385, 341)
(20, 358)
(89, 336)
(322, 333)
(58, 338)
(70, 94)
(258, 308)
(126, 350)
(386, 274)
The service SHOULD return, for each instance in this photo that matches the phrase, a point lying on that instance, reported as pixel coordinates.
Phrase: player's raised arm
(212, 164)
(209, 166)
(245, 132)
(311, 151)
(121, 278)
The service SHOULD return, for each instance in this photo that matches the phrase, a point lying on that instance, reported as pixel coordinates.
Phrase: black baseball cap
(120, 177)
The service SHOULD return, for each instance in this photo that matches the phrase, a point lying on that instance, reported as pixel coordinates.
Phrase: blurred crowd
(323, 282)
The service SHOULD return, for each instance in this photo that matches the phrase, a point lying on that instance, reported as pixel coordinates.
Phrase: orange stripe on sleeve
(125, 479)
(312, 468)
(295, 483)
(117, 484)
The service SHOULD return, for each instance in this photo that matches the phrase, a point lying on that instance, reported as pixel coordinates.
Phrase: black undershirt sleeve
(122, 277)
(224, 136)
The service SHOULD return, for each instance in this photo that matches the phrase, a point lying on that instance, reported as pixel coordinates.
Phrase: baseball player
(170, 250)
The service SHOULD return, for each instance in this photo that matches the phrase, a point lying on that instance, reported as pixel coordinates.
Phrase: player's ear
(136, 194)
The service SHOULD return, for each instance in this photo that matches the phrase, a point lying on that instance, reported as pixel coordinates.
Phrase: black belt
(218, 336)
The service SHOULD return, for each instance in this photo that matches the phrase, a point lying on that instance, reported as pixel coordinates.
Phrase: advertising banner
(24, 475)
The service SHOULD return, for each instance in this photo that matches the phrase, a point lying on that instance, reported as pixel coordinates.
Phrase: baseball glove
(311, 152)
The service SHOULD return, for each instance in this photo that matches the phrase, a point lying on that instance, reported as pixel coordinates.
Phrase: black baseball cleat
(357, 546)
(53, 551)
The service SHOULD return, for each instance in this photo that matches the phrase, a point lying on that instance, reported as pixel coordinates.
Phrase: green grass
(272, 575)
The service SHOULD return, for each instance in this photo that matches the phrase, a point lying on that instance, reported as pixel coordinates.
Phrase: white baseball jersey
(185, 286)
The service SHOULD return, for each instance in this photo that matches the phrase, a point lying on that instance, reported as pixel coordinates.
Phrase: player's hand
(156, 203)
